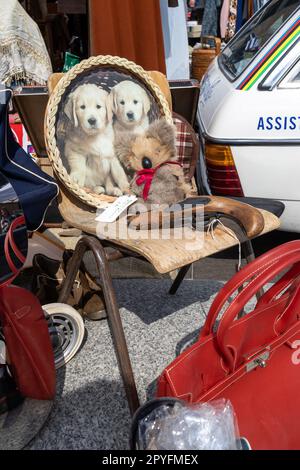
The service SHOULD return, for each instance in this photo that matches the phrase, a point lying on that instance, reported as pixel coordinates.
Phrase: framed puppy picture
(92, 107)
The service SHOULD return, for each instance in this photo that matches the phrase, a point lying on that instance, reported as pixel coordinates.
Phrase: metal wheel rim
(63, 331)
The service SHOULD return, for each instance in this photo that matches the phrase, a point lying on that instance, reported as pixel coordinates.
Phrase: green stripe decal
(272, 59)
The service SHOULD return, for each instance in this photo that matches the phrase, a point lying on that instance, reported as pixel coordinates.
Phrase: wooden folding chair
(164, 255)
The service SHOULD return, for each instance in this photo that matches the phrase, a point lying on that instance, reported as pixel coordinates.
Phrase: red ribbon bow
(146, 175)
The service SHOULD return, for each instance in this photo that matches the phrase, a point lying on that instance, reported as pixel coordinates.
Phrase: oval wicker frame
(52, 108)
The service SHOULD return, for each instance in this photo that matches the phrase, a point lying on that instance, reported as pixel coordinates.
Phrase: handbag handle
(10, 245)
(283, 283)
(252, 269)
(292, 306)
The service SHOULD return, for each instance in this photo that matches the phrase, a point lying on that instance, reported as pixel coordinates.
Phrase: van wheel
(66, 329)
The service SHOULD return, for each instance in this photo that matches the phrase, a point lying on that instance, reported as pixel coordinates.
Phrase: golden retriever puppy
(130, 105)
(89, 145)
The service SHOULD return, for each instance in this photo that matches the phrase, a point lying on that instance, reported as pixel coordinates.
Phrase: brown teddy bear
(150, 157)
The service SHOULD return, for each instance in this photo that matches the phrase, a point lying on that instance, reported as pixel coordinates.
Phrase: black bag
(10, 397)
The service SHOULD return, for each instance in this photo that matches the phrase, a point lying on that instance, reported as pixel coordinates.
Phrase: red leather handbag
(10, 245)
(13, 257)
(29, 349)
(28, 344)
(253, 361)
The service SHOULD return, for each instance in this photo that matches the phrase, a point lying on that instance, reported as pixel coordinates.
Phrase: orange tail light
(222, 173)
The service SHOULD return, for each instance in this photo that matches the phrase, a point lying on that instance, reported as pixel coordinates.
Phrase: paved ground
(90, 411)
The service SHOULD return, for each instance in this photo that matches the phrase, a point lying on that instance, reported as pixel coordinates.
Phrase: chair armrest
(270, 205)
(250, 218)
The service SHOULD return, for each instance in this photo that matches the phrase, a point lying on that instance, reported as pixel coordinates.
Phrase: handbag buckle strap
(259, 361)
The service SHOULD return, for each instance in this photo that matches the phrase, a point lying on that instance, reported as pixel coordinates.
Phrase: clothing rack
(225, 17)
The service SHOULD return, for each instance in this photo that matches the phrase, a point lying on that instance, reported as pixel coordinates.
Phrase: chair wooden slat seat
(164, 255)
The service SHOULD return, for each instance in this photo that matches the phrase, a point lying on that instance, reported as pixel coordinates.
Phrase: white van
(249, 112)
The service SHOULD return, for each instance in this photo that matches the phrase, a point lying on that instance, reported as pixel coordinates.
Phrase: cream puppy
(89, 145)
(130, 105)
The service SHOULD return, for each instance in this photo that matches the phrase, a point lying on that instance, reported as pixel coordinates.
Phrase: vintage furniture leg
(248, 251)
(179, 278)
(249, 256)
(90, 243)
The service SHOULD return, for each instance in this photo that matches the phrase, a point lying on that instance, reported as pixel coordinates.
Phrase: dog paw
(99, 190)
(77, 178)
(125, 189)
(115, 192)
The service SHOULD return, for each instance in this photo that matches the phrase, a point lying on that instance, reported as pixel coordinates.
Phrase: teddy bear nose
(146, 162)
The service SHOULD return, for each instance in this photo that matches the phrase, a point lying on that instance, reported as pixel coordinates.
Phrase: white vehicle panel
(290, 219)
(214, 89)
(261, 106)
(269, 172)
(254, 115)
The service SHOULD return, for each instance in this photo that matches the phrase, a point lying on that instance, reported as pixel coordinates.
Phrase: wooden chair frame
(82, 216)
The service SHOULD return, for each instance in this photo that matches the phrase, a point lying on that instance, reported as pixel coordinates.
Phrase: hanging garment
(250, 8)
(231, 27)
(224, 18)
(175, 40)
(245, 11)
(210, 18)
(239, 17)
(24, 57)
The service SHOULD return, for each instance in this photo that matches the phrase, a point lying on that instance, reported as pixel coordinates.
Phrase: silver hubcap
(63, 332)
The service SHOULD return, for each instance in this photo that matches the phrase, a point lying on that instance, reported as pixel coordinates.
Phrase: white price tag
(112, 212)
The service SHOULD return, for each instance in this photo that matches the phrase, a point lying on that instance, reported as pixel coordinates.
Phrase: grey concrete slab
(90, 410)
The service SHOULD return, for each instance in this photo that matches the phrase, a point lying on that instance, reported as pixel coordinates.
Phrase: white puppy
(89, 144)
(130, 104)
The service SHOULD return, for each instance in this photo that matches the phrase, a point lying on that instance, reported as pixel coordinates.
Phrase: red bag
(28, 344)
(12, 253)
(252, 361)
(9, 244)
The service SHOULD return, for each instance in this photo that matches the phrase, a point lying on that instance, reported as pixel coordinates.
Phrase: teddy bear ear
(162, 131)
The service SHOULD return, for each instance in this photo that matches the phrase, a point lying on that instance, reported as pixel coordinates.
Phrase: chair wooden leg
(88, 243)
(248, 251)
(178, 279)
(249, 256)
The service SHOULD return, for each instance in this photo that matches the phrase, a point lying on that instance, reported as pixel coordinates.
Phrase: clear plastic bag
(204, 426)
